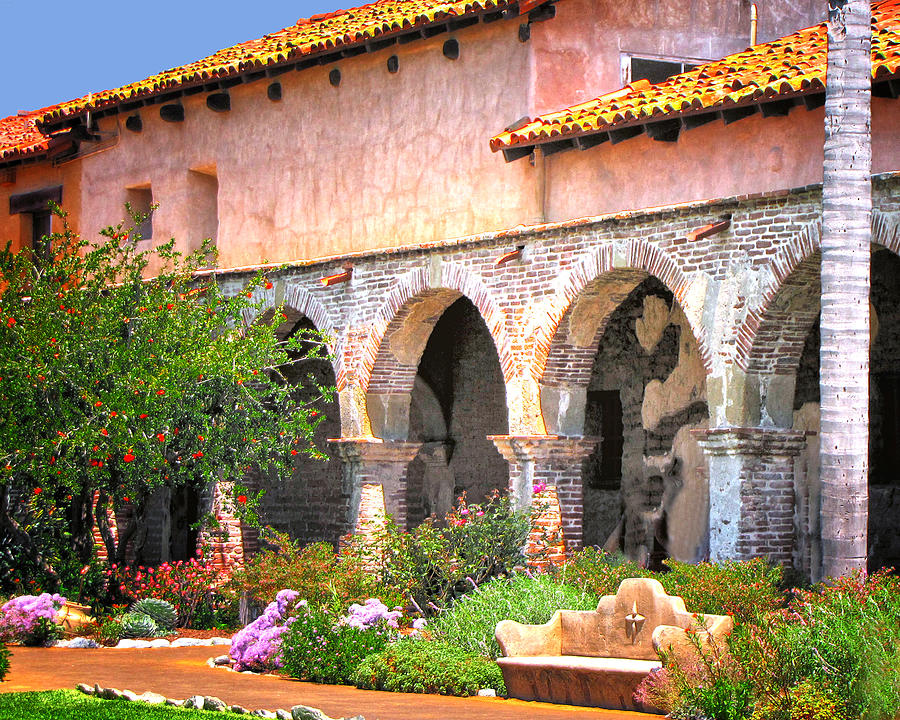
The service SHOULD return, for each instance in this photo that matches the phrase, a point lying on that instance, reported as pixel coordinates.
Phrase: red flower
(197, 455)
(242, 499)
(142, 416)
(113, 414)
(103, 432)
(129, 456)
(98, 404)
(169, 306)
(249, 295)
(38, 491)
(160, 437)
(10, 322)
(160, 392)
(200, 438)
(293, 452)
(125, 499)
(268, 285)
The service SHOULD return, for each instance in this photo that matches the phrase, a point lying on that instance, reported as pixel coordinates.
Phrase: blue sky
(56, 51)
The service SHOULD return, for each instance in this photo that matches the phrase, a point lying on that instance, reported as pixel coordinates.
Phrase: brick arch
(771, 337)
(302, 301)
(410, 312)
(564, 347)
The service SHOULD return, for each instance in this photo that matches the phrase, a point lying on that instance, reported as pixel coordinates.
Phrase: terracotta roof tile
(308, 37)
(19, 136)
(790, 66)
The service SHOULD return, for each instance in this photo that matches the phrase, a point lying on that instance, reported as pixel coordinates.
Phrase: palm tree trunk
(846, 237)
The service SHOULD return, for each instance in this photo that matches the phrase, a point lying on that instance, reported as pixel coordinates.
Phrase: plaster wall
(577, 55)
(753, 155)
(39, 176)
(649, 355)
(382, 160)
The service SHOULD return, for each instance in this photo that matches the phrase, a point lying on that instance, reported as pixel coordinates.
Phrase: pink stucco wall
(577, 55)
(383, 160)
(29, 178)
(752, 155)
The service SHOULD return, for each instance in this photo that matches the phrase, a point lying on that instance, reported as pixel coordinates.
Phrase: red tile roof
(318, 35)
(791, 66)
(19, 136)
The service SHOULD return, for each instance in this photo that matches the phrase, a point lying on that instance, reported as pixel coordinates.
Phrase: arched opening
(645, 493)
(458, 399)
(884, 418)
(311, 505)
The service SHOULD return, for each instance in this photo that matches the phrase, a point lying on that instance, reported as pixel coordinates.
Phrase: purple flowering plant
(258, 646)
(31, 619)
(371, 614)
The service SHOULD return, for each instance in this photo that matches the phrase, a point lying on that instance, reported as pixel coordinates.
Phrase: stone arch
(301, 301)
(770, 339)
(565, 344)
(403, 324)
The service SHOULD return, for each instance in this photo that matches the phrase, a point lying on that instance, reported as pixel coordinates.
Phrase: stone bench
(598, 658)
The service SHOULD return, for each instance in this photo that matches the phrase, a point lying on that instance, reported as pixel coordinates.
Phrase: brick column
(554, 461)
(375, 478)
(225, 543)
(751, 491)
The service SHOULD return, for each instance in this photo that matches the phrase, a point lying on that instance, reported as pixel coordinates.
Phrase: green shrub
(44, 634)
(437, 562)
(315, 648)
(847, 637)
(4, 661)
(321, 576)
(108, 632)
(161, 611)
(138, 625)
(599, 572)
(471, 620)
(745, 589)
(423, 666)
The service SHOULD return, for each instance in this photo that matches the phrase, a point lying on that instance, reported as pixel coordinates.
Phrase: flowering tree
(113, 386)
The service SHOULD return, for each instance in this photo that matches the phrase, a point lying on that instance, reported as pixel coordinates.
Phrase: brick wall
(749, 316)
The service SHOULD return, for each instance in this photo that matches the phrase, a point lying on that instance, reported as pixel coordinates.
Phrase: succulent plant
(138, 625)
(162, 611)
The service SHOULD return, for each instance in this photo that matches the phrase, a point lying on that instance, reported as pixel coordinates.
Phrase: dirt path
(182, 672)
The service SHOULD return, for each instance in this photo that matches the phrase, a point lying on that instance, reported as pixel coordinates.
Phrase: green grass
(70, 704)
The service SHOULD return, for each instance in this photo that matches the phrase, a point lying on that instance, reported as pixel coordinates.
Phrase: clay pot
(74, 615)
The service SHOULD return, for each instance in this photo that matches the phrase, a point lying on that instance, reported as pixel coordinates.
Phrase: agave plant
(138, 625)
(162, 612)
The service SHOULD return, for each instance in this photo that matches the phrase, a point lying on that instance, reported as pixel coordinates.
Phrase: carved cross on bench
(634, 621)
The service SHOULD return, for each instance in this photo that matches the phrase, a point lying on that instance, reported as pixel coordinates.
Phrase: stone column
(553, 461)
(375, 479)
(439, 482)
(751, 491)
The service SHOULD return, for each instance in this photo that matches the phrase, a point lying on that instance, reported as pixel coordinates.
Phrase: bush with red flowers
(114, 385)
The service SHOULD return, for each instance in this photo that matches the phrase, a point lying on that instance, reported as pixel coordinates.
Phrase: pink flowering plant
(31, 619)
(192, 586)
(441, 560)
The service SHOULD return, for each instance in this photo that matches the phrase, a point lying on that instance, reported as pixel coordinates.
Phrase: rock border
(206, 702)
(134, 644)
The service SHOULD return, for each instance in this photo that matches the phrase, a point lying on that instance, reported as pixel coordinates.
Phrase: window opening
(141, 200)
(655, 69)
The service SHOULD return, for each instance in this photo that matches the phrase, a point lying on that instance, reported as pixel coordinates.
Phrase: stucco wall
(38, 176)
(753, 155)
(382, 160)
(577, 55)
